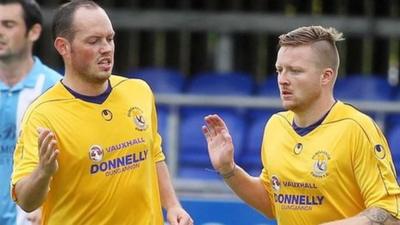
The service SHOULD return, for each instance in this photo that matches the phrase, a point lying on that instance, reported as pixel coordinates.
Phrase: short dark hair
(31, 9)
(63, 18)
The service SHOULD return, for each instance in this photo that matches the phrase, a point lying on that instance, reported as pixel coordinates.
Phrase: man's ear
(62, 46)
(327, 76)
(34, 32)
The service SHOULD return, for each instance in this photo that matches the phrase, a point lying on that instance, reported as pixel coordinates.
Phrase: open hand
(48, 152)
(219, 141)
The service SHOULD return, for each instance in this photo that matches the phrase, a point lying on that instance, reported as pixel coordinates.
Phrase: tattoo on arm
(378, 216)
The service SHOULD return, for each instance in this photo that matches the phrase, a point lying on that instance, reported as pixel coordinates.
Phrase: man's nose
(282, 78)
(106, 47)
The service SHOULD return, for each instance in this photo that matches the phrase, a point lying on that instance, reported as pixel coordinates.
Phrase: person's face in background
(299, 77)
(91, 52)
(15, 41)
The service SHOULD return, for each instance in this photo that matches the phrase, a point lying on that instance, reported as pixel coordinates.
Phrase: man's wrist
(229, 174)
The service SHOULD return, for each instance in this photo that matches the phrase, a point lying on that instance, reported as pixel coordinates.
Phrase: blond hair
(322, 39)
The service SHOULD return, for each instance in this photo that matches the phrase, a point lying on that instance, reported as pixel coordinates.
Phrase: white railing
(175, 101)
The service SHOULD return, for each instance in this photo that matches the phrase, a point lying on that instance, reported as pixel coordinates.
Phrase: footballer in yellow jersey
(335, 171)
(103, 177)
(324, 162)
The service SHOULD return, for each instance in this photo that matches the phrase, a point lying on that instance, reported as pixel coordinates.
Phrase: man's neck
(13, 71)
(313, 113)
(84, 87)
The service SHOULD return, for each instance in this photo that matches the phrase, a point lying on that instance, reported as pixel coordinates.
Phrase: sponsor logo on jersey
(276, 184)
(320, 165)
(379, 151)
(125, 144)
(120, 164)
(298, 148)
(298, 202)
(138, 118)
(96, 153)
(107, 114)
(301, 185)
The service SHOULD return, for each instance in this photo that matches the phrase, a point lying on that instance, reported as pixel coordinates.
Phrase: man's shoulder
(343, 111)
(280, 118)
(120, 81)
(54, 94)
(353, 117)
(283, 115)
(49, 100)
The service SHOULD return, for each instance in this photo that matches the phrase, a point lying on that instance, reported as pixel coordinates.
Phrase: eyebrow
(8, 21)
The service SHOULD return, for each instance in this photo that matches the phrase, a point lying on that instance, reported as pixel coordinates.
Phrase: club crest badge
(136, 114)
(96, 153)
(275, 183)
(320, 165)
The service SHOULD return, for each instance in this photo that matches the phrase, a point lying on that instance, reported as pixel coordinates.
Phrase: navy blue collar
(99, 99)
(302, 131)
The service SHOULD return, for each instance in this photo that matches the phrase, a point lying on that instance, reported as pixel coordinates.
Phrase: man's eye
(92, 41)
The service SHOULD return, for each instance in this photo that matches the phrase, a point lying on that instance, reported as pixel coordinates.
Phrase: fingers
(210, 125)
(215, 121)
(42, 134)
(178, 216)
(47, 145)
(206, 133)
(48, 151)
(185, 221)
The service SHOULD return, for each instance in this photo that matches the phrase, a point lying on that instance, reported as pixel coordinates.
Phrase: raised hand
(48, 152)
(219, 141)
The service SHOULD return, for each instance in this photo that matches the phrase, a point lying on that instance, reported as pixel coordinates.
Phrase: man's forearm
(371, 216)
(249, 189)
(32, 190)
(378, 216)
(167, 192)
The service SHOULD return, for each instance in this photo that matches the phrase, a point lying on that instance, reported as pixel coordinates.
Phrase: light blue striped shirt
(13, 103)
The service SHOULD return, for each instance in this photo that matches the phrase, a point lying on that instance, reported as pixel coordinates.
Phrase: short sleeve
(374, 171)
(157, 149)
(26, 151)
(264, 176)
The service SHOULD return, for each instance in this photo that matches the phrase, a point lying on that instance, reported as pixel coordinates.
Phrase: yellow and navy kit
(337, 170)
(108, 154)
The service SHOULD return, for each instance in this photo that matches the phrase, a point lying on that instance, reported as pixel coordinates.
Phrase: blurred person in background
(23, 77)
(89, 149)
(324, 162)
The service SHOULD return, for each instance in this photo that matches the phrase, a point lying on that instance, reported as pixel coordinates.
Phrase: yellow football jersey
(108, 154)
(336, 171)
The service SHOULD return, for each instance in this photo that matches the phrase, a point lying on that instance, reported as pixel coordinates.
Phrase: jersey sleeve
(158, 153)
(374, 170)
(264, 176)
(26, 151)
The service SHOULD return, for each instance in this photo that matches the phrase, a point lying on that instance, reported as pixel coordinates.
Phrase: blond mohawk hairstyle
(309, 35)
(323, 40)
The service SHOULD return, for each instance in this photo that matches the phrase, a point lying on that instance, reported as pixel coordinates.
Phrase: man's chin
(288, 105)
(101, 77)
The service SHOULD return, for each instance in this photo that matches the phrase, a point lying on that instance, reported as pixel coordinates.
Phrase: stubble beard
(9, 56)
(99, 78)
